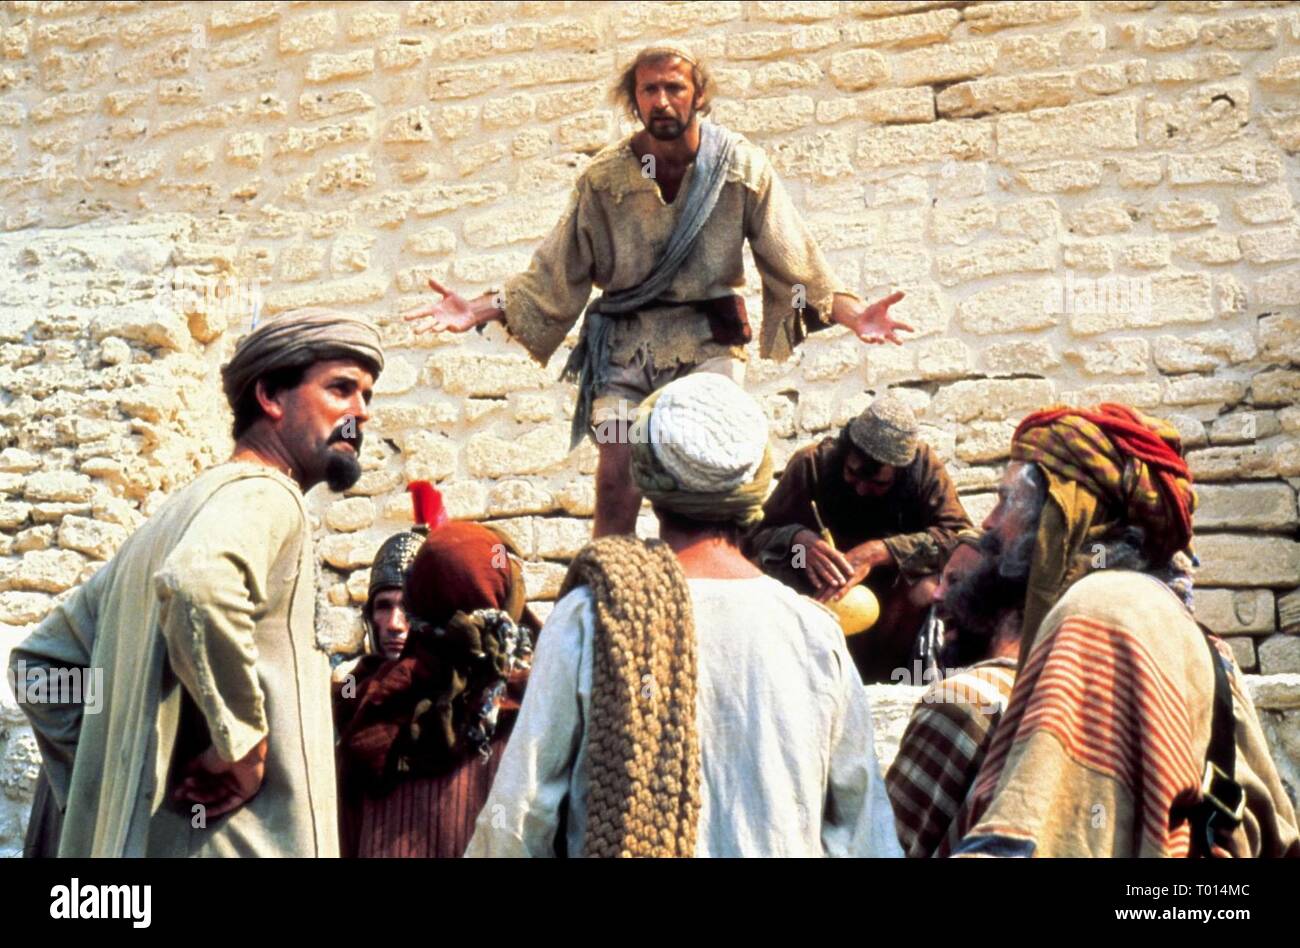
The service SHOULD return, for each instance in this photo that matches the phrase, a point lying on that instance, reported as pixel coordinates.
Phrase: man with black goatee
(215, 736)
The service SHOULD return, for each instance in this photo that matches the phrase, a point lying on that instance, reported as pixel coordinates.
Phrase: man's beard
(342, 469)
(978, 602)
(671, 130)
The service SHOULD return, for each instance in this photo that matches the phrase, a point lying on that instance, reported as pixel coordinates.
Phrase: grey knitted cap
(886, 431)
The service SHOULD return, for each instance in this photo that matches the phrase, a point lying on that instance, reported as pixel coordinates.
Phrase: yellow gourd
(858, 609)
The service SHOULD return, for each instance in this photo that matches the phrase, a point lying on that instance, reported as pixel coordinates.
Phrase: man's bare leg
(617, 499)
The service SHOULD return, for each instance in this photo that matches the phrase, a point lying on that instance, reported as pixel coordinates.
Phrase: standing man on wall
(658, 222)
(214, 735)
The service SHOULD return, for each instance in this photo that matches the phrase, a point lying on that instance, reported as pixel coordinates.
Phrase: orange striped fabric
(1101, 694)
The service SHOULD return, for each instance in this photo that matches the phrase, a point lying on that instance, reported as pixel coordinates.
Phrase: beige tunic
(204, 620)
(614, 230)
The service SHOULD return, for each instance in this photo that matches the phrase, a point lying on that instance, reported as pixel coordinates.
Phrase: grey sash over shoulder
(588, 364)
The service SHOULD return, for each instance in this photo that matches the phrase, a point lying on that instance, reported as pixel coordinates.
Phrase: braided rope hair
(643, 750)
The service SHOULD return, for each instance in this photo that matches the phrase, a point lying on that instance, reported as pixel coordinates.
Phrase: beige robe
(616, 226)
(1103, 743)
(204, 620)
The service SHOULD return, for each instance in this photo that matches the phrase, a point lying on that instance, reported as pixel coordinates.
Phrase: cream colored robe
(208, 611)
(616, 226)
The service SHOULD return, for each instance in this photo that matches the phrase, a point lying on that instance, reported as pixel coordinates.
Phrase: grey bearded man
(658, 222)
(214, 737)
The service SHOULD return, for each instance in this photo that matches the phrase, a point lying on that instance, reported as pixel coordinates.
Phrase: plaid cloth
(941, 752)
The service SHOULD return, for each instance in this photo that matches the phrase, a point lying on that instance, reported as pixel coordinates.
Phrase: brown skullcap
(886, 431)
(300, 337)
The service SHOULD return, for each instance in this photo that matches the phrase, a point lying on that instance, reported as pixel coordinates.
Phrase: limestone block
(1210, 248)
(988, 17)
(18, 461)
(1113, 357)
(1281, 288)
(350, 514)
(1250, 32)
(1173, 33)
(1231, 463)
(944, 64)
(514, 497)
(428, 456)
(1245, 507)
(560, 538)
(1184, 215)
(1288, 612)
(1244, 426)
(485, 376)
(1235, 611)
(1072, 130)
(361, 289)
(149, 325)
(577, 497)
(1060, 176)
(1229, 560)
(487, 455)
(1139, 172)
(543, 580)
(984, 441)
(1202, 351)
(1243, 652)
(1027, 355)
(991, 399)
(1274, 692)
(962, 224)
(1093, 255)
(51, 571)
(431, 242)
(1280, 387)
(1279, 655)
(764, 115)
(782, 76)
(1279, 338)
(967, 479)
(24, 608)
(34, 538)
(1009, 307)
(116, 510)
(348, 551)
(826, 156)
(917, 144)
(1266, 206)
(328, 67)
(1271, 246)
(1200, 390)
(58, 486)
(339, 630)
(97, 540)
(816, 409)
(1006, 94)
(1230, 164)
(465, 500)
(991, 258)
(943, 359)
(377, 482)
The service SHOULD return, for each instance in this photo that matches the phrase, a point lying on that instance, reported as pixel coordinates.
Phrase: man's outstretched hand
(453, 313)
(221, 785)
(872, 324)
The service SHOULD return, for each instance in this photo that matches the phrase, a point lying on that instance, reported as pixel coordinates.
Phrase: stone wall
(1083, 201)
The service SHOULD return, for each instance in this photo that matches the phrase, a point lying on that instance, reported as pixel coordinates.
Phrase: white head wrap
(707, 433)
